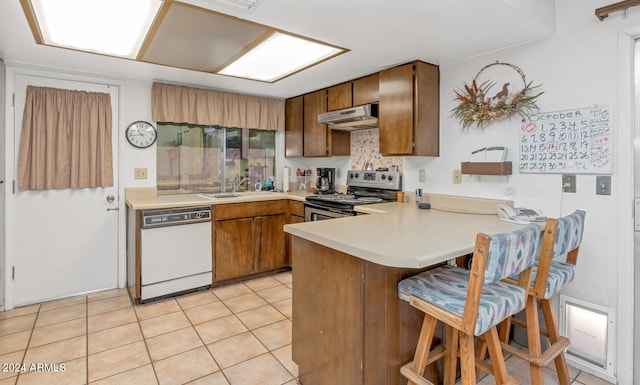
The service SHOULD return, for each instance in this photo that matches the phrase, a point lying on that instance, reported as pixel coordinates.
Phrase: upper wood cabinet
(339, 97)
(293, 127)
(409, 110)
(304, 135)
(365, 90)
(315, 133)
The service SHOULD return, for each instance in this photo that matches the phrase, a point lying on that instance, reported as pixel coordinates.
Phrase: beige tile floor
(233, 335)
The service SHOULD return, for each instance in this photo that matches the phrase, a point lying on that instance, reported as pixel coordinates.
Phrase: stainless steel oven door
(315, 213)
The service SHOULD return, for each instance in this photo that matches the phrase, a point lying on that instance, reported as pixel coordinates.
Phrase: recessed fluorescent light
(113, 27)
(278, 56)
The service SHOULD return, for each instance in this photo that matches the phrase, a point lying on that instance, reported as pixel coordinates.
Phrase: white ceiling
(379, 34)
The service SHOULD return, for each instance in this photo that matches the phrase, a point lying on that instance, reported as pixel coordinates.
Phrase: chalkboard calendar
(568, 141)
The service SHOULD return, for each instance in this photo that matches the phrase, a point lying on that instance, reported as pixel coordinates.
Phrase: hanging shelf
(486, 168)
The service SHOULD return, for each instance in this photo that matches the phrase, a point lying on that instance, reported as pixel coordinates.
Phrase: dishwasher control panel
(173, 217)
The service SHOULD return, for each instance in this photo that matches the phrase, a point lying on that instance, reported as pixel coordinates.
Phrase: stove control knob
(357, 175)
(390, 178)
(383, 177)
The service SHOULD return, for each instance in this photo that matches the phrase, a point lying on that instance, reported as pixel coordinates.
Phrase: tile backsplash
(364, 148)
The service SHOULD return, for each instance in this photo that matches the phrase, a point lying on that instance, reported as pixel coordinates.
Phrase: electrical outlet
(568, 183)
(139, 173)
(457, 176)
(422, 175)
(603, 185)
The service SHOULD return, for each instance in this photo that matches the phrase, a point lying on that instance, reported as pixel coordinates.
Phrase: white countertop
(145, 199)
(401, 235)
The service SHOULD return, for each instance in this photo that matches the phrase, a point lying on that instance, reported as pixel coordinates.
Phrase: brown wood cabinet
(339, 97)
(315, 133)
(249, 238)
(366, 90)
(305, 136)
(296, 215)
(409, 110)
(293, 127)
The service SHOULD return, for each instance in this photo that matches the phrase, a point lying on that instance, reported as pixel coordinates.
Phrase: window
(194, 158)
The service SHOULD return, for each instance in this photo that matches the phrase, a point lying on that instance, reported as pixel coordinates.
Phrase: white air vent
(244, 5)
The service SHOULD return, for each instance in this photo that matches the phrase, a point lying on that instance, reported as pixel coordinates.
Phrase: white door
(66, 241)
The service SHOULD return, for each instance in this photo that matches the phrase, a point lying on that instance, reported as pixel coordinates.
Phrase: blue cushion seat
(447, 287)
(560, 274)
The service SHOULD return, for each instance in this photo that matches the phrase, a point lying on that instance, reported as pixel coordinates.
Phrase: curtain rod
(603, 12)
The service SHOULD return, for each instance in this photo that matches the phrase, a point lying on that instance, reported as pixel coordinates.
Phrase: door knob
(110, 198)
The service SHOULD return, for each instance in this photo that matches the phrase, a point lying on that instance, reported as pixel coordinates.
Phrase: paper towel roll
(285, 179)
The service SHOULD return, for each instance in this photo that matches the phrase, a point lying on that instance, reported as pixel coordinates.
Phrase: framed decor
(480, 103)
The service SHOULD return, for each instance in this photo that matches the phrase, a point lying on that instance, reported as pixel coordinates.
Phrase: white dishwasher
(175, 251)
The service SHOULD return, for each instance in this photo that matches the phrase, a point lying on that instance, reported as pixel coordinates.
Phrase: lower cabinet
(249, 238)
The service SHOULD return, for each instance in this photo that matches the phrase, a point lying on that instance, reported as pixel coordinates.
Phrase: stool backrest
(560, 242)
(568, 235)
(510, 253)
(496, 257)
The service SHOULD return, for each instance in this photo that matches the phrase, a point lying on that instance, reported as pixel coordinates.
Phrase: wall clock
(141, 134)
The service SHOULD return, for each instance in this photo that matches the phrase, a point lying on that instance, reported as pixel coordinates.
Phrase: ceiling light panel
(279, 56)
(190, 37)
(114, 27)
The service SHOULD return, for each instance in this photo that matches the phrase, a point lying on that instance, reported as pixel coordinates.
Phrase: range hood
(354, 118)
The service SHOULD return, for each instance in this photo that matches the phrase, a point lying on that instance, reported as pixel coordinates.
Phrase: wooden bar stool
(552, 271)
(470, 303)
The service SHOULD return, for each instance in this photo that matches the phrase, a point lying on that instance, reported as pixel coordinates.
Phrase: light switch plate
(603, 185)
(422, 175)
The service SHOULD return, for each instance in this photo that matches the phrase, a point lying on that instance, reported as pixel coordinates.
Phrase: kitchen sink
(220, 195)
(237, 194)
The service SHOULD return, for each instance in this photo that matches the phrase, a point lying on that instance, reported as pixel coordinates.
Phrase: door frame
(9, 168)
(624, 167)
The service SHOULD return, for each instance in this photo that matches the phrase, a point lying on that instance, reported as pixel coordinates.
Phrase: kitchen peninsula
(349, 326)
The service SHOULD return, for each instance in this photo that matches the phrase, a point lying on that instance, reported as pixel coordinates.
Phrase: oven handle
(324, 208)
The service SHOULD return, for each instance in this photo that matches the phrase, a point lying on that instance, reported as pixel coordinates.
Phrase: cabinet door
(427, 110)
(292, 219)
(366, 90)
(396, 110)
(339, 97)
(315, 133)
(234, 248)
(272, 253)
(293, 127)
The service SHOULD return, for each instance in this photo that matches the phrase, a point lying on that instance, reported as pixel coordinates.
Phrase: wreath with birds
(478, 104)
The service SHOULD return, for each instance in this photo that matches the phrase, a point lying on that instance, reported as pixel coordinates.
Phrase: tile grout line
(144, 339)
(201, 340)
(29, 341)
(86, 328)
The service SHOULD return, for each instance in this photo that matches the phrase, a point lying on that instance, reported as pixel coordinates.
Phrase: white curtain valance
(180, 104)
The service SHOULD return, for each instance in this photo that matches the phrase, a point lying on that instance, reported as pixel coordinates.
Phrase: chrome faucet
(237, 181)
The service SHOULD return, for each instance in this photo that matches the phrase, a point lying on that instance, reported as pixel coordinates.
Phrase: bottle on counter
(418, 196)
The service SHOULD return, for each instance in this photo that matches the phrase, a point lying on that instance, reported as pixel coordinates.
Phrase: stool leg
(424, 345)
(497, 357)
(504, 330)
(467, 359)
(554, 336)
(533, 338)
(450, 356)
